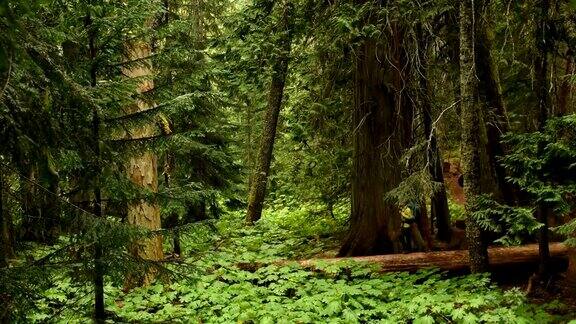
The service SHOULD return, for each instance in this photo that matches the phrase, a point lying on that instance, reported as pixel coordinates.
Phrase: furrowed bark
(261, 171)
(375, 223)
(471, 132)
(493, 106)
(142, 169)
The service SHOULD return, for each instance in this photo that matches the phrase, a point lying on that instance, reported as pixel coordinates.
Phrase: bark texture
(471, 135)
(543, 97)
(439, 211)
(142, 169)
(375, 223)
(453, 260)
(493, 105)
(261, 171)
(541, 62)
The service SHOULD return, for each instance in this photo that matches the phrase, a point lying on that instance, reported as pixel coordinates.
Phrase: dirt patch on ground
(452, 178)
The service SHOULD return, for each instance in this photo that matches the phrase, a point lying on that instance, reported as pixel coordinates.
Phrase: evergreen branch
(148, 111)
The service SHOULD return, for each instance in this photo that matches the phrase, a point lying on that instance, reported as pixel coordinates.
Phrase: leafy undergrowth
(229, 279)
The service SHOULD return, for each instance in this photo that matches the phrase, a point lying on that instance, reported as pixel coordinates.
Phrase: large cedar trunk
(142, 169)
(375, 223)
(260, 173)
(471, 135)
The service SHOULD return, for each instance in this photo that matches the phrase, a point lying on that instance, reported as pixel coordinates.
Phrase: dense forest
(288, 161)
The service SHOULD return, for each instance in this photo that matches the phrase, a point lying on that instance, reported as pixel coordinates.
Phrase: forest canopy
(290, 161)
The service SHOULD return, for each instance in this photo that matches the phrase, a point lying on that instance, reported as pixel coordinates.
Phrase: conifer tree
(472, 131)
(279, 71)
(142, 169)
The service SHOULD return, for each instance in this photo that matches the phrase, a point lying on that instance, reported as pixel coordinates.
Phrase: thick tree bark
(375, 223)
(142, 169)
(494, 108)
(453, 44)
(261, 171)
(439, 209)
(543, 97)
(471, 135)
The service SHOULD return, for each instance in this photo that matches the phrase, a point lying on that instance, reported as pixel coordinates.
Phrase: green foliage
(338, 293)
(542, 165)
(212, 66)
(515, 223)
(244, 279)
(65, 122)
(457, 211)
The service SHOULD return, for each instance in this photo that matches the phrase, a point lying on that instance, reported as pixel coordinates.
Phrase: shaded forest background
(163, 160)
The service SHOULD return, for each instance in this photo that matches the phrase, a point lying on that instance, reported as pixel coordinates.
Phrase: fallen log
(451, 260)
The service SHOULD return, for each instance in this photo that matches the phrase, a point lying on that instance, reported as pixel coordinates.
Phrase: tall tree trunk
(439, 210)
(494, 108)
(98, 276)
(142, 169)
(471, 134)
(541, 62)
(172, 221)
(279, 70)
(375, 223)
(453, 44)
(99, 313)
(541, 84)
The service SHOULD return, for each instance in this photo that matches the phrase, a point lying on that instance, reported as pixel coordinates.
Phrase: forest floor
(210, 285)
